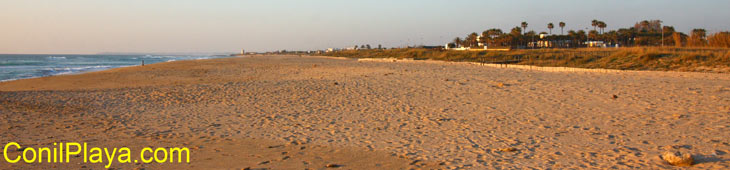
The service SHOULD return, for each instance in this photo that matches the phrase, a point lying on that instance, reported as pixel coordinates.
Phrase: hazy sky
(91, 26)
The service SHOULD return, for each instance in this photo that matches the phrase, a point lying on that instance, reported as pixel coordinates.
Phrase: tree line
(643, 33)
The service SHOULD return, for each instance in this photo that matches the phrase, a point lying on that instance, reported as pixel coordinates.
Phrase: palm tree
(516, 31)
(457, 41)
(494, 32)
(593, 35)
(626, 36)
(516, 36)
(490, 35)
(573, 37)
(699, 32)
(562, 25)
(594, 23)
(581, 36)
(550, 27)
(485, 37)
(524, 26)
(602, 25)
(471, 40)
(697, 37)
(645, 26)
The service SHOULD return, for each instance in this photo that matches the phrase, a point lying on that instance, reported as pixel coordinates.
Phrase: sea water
(23, 66)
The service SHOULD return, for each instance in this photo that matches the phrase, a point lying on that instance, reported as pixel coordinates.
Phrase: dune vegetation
(633, 58)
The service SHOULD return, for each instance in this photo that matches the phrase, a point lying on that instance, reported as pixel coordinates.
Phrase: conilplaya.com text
(14, 152)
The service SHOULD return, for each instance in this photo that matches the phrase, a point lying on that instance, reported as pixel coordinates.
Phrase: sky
(216, 26)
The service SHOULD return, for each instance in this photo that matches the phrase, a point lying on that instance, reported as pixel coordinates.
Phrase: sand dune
(287, 112)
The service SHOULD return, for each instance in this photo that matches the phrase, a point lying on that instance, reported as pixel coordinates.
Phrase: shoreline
(63, 74)
(92, 70)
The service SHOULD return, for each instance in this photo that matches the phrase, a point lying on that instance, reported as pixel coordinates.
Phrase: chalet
(595, 44)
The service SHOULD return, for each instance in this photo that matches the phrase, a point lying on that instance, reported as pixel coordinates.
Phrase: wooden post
(142, 62)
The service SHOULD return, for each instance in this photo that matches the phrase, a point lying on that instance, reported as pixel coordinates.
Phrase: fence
(515, 66)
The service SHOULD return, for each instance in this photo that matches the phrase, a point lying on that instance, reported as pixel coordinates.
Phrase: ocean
(23, 66)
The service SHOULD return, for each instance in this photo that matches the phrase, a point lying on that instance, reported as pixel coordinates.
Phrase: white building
(479, 41)
(595, 44)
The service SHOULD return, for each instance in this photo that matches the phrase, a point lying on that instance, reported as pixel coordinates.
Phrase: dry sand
(289, 112)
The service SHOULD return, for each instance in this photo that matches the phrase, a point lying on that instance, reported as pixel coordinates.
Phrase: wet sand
(290, 112)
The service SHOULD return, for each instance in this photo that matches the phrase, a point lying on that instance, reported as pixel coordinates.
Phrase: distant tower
(243, 52)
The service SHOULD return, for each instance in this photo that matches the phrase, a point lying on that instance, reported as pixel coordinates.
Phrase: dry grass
(635, 58)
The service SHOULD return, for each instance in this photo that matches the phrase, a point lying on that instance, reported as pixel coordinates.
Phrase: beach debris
(446, 119)
(500, 84)
(615, 96)
(249, 168)
(678, 116)
(333, 165)
(674, 147)
(678, 159)
(508, 149)
(337, 83)
(276, 146)
(298, 142)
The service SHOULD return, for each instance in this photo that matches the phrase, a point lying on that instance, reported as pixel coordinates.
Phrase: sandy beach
(292, 112)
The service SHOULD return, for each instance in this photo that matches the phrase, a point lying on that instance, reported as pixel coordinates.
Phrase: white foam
(56, 58)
